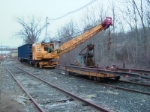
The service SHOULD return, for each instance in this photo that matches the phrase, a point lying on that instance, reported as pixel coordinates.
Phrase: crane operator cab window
(49, 48)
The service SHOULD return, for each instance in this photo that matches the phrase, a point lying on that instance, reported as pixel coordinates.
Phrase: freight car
(25, 53)
(32, 54)
(92, 73)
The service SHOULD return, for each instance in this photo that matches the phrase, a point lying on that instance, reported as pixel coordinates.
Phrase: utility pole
(1, 48)
(46, 27)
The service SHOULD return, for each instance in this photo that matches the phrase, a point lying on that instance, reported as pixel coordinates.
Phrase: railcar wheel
(41, 66)
(117, 78)
(98, 79)
(71, 73)
(35, 65)
(32, 64)
(95, 78)
(90, 77)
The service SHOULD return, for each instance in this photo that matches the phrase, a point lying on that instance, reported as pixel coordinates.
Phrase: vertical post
(123, 65)
(97, 67)
(1, 48)
(94, 56)
(109, 39)
(46, 27)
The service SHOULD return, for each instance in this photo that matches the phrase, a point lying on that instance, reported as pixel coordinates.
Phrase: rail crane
(47, 54)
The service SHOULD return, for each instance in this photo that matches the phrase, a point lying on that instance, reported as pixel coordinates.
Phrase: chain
(109, 39)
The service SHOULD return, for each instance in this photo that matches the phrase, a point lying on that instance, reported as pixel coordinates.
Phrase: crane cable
(73, 11)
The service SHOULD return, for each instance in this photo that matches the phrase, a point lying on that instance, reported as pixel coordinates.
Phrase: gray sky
(11, 9)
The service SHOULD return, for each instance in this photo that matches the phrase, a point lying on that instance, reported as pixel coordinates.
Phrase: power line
(75, 10)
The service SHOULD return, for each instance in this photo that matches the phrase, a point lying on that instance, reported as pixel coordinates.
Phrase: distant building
(14, 53)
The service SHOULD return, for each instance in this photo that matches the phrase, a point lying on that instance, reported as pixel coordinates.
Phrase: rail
(98, 107)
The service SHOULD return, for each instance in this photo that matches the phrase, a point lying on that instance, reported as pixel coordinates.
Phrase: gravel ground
(116, 100)
(12, 98)
(141, 80)
(130, 86)
(48, 98)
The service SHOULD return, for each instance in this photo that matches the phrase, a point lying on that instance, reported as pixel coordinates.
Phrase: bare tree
(89, 18)
(31, 30)
(140, 11)
(148, 1)
(67, 32)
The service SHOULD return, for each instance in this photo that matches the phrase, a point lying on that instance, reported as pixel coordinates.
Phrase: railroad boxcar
(35, 54)
(25, 53)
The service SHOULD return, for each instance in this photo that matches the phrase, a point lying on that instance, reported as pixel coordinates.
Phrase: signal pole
(1, 48)
(46, 27)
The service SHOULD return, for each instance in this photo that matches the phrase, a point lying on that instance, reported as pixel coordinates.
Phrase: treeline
(129, 36)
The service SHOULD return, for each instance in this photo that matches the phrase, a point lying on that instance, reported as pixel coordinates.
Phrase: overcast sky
(11, 9)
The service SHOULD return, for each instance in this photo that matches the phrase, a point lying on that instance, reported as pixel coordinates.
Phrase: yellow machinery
(47, 55)
(39, 52)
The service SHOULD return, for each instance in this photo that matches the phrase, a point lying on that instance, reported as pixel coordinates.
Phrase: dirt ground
(12, 98)
(9, 105)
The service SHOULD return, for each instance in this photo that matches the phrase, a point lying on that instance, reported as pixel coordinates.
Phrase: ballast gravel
(113, 99)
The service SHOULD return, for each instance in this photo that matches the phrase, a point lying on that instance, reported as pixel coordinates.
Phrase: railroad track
(122, 84)
(129, 71)
(142, 84)
(31, 98)
(113, 99)
(115, 72)
(142, 71)
(22, 77)
(129, 86)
